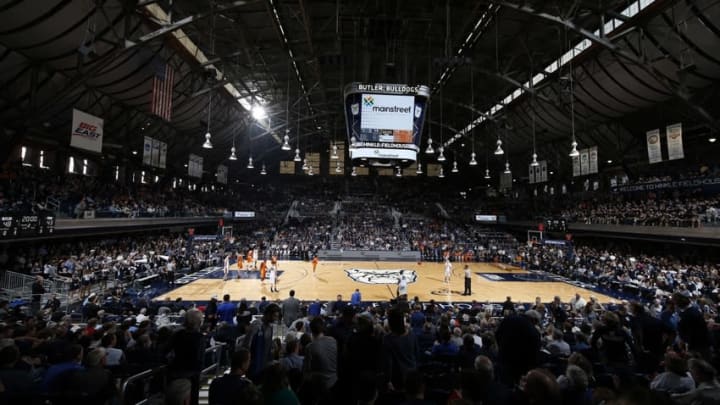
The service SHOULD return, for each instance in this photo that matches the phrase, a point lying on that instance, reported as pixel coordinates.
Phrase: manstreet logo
(386, 276)
(368, 101)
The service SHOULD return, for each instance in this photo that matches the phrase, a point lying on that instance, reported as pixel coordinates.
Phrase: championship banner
(654, 147)
(87, 131)
(576, 165)
(195, 166)
(287, 167)
(531, 174)
(222, 174)
(674, 141)
(543, 171)
(313, 160)
(593, 159)
(505, 181)
(163, 155)
(147, 150)
(155, 156)
(363, 171)
(584, 162)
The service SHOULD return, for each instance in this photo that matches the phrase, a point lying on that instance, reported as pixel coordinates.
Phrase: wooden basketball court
(333, 278)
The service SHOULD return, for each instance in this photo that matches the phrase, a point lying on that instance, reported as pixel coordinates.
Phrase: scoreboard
(23, 226)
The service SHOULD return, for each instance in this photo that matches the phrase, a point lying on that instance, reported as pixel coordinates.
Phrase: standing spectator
(320, 364)
(707, 388)
(400, 350)
(290, 309)
(692, 327)
(37, 293)
(234, 387)
(356, 298)
(675, 379)
(188, 347)
(468, 281)
(259, 340)
(226, 311)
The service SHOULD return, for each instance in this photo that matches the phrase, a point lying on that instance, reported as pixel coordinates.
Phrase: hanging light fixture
(399, 172)
(507, 167)
(232, 153)
(263, 171)
(305, 165)
(297, 157)
(487, 173)
(353, 141)
(250, 163)
(337, 167)
(441, 156)
(499, 150)
(419, 168)
(429, 150)
(442, 173)
(455, 168)
(573, 149)
(354, 172)
(310, 171)
(286, 141)
(334, 155)
(208, 143)
(473, 162)
(534, 162)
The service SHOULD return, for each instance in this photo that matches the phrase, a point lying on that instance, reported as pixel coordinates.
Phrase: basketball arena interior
(359, 202)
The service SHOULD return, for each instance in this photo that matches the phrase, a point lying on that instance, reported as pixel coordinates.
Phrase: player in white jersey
(226, 267)
(272, 277)
(402, 289)
(448, 271)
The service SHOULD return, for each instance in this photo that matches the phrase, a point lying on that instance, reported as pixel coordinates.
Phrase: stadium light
(429, 150)
(354, 172)
(337, 167)
(399, 172)
(258, 112)
(473, 162)
(263, 171)
(232, 154)
(297, 157)
(441, 156)
(419, 168)
(442, 173)
(455, 168)
(534, 162)
(573, 151)
(499, 150)
(334, 154)
(207, 144)
(286, 142)
(487, 173)
(507, 168)
(250, 163)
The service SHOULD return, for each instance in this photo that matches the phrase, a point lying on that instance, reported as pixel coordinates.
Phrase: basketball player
(272, 276)
(226, 267)
(402, 285)
(315, 262)
(448, 271)
(263, 270)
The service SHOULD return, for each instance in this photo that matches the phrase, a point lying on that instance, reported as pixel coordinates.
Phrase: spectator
(259, 340)
(707, 388)
(290, 309)
(675, 379)
(320, 364)
(226, 311)
(234, 387)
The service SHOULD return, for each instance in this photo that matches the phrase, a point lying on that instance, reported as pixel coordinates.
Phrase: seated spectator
(558, 346)
(444, 346)
(675, 379)
(707, 388)
(275, 387)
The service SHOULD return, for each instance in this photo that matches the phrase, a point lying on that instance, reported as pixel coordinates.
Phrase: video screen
(488, 219)
(385, 121)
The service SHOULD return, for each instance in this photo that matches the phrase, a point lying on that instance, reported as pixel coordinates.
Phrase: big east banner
(87, 131)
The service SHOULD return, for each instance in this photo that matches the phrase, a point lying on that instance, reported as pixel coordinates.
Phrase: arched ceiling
(650, 68)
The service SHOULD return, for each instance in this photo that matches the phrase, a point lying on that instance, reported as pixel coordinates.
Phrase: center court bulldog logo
(373, 276)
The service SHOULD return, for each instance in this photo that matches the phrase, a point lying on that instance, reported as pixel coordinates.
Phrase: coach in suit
(290, 309)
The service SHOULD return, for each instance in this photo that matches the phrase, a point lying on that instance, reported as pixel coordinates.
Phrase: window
(71, 164)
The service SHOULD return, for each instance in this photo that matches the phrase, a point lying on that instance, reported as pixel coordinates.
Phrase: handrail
(218, 349)
(136, 377)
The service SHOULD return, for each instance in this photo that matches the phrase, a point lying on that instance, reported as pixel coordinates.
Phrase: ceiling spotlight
(534, 162)
(429, 150)
(473, 162)
(455, 168)
(250, 163)
(507, 168)
(305, 165)
(573, 151)
(712, 139)
(487, 173)
(258, 112)
(263, 171)
(134, 152)
(609, 161)
(232, 154)
(286, 143)
(337, 168)
(441, 156)
(207, 144)
(334, 154)
(354, 172)
(499, 150)
(399, 172)
(297, 157)
(419, 168)
(442, 173)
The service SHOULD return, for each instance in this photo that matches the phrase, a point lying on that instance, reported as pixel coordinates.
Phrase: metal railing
(145, 378)
(216, 352)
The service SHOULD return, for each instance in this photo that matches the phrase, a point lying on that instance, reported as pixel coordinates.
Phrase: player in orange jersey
(315, 262)
(263, 270)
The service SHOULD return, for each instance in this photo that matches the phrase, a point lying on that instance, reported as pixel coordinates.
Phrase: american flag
(162, 92)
